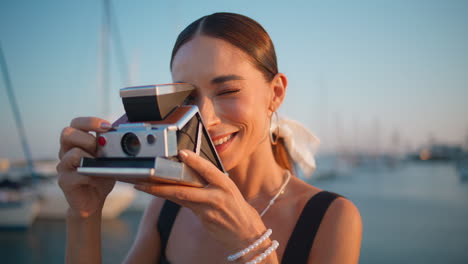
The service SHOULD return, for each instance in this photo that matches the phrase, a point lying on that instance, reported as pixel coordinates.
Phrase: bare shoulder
(338, 239)
(150, 216)
(343, 209)
(145, 248)
(339, 236)
(344, 217)
(153, 209)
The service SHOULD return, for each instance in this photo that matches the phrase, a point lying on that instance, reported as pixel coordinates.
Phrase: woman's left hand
(220, 205)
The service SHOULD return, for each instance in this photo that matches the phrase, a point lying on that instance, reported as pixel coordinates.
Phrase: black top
(299, 244)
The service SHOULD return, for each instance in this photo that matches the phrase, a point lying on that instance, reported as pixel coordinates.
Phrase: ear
(278, 88)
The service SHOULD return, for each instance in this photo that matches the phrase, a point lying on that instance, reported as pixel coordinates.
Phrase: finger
(67, 168)
(179, 202)
(177, 193)
(144, 189)
(90, 124)
(71, 159)
(72, 137)
(205, 168)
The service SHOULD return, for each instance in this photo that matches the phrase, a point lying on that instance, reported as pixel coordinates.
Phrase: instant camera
(143, 144)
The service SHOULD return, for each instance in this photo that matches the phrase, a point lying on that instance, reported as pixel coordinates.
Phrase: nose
(208, 113)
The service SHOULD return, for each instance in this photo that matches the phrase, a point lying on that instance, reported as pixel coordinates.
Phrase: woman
(231, 61)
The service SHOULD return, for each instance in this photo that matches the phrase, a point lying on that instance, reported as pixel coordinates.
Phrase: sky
(363, 75)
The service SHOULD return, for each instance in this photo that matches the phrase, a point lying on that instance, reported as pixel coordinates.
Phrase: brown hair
(247, 35)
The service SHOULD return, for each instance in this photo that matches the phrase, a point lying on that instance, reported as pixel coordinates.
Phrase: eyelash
(228, 92)
(191, 99)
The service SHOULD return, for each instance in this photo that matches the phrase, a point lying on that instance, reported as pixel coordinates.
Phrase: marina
(413, 213)
(383, 86)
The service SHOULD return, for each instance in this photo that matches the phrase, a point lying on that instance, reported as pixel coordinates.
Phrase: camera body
(143, 144)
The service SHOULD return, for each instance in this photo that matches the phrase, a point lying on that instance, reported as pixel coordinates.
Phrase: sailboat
(54, 205)
(19, 205)
(53, 202)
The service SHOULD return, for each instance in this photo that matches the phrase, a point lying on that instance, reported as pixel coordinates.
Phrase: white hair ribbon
(300, 143)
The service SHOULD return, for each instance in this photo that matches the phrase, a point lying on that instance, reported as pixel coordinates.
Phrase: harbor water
(412, 213)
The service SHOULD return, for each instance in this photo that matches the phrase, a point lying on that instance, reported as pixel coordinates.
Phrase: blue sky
(359, 71)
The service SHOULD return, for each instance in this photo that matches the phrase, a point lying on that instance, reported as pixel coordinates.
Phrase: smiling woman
(261, 213)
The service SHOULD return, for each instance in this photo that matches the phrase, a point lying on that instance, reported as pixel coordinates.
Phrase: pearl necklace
(281, 191)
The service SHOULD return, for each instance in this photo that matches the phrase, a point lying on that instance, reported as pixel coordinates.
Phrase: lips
(222, 142)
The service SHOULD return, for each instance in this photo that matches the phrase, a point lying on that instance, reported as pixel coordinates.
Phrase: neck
(258, 175)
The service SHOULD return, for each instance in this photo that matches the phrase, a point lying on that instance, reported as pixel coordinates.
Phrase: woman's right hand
(85, 194)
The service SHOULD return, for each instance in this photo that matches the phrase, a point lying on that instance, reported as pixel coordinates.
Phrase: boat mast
(119, 52)
(105, 70)
(111, 33)
(16, 113)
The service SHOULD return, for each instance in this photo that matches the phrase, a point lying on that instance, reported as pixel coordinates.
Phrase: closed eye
(229, 92)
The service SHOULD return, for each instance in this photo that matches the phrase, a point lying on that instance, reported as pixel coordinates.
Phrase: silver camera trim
(165, 134)
(164, 170)
(159, 154)
(154, 90)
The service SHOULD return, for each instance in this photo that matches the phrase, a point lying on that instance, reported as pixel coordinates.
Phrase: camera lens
(130, 144)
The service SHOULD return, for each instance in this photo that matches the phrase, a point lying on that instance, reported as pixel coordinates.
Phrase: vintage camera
(143, 144)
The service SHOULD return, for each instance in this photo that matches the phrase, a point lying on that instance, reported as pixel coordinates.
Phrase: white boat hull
(55, 206)
(19, 214)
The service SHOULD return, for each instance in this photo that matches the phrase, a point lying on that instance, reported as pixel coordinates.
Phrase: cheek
(245, 112)
(232, 111)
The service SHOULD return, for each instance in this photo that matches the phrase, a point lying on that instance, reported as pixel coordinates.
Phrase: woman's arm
(83, 238)
(85, 195)
(220, 206)
(339, 236)
(147, 245)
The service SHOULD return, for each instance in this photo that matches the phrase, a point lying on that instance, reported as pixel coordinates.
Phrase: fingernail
(183, 154)
(105, 125)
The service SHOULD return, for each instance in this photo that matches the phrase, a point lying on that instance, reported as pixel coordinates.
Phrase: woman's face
(232, 95)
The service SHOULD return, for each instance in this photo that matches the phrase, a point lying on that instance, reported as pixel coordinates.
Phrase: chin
(231, 158)
(227, 160)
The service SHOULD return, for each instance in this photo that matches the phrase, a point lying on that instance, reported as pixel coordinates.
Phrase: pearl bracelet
(264, 255)
(253, 246)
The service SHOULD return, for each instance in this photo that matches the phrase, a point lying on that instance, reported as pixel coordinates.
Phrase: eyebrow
(226, 78)
(220, 79)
